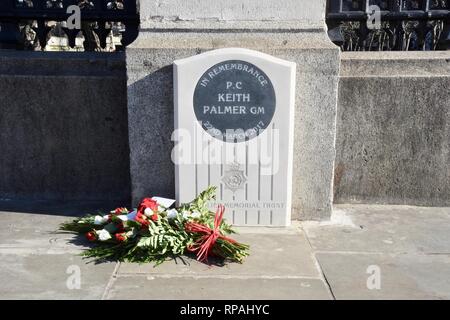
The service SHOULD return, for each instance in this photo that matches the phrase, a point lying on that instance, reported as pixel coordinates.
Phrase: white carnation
(172, 214)
(98, 220)
(191, 215)
(148, 212)
(186, 214)
(195, 214)
(103, 235)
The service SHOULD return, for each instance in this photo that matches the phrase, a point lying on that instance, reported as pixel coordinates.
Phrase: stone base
(150, 104)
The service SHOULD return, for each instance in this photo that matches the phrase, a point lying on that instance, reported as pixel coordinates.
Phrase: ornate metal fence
(378, 25)
(28, 24)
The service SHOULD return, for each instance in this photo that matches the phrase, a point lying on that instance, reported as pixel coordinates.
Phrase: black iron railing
(378, 25)
(27, 24)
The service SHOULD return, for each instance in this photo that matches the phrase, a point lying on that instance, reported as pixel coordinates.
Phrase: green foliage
(159, 241)
(163, 239)
(80, 225)
(199, 204)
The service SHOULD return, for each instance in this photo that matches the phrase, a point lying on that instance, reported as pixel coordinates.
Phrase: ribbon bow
(205, 244)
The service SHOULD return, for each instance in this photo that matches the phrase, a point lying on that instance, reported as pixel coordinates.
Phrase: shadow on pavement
(60, 207)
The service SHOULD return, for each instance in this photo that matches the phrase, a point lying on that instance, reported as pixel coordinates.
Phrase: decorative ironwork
(28, 24)
(404, 24)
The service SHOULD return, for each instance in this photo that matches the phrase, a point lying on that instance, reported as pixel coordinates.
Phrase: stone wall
(393, 129)
(306, 12)
(63, 127)
(64, 131)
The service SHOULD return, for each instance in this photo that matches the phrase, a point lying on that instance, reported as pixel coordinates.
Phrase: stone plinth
(300, 37)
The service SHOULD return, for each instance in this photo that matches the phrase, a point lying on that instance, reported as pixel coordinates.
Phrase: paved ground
(364, 252)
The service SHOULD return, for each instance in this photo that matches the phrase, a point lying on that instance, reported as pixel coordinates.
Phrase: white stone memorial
(234, 129)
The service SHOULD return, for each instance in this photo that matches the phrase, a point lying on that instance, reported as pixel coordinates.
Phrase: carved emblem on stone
(234, 178)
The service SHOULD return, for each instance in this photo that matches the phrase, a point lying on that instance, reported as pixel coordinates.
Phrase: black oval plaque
(234, 101)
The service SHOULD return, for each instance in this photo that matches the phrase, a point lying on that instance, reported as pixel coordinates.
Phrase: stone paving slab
(18, 226)
(431, 273)
(181, 288)
(45, 276)
(410, 245)
(35, 257)
(389, 229)
(401, 276)
(281, 265)
(36, 233)
(273, 252)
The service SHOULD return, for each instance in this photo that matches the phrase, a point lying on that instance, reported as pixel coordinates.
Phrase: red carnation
(91, 236)
(154, 217)
(142, 219)
(147, 203)
(121, 237)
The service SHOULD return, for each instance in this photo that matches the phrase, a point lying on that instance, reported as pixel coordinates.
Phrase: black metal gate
(20, 18)
(402, 24)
